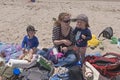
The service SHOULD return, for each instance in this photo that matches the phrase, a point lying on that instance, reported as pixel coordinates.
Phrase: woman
(63, 38)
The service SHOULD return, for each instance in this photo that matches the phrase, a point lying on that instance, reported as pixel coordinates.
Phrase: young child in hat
(82, 35)
(29, 44)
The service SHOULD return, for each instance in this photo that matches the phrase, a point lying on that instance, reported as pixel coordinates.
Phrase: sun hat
(82, 17)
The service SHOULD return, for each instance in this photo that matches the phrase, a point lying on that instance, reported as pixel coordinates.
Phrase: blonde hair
(60, 18)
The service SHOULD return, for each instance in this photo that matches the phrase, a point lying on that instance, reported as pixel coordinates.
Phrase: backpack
(108, 65)
(107, 33)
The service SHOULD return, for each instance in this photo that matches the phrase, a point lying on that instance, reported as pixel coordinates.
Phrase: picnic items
(22, 63)
(114, 40)
(16, 63)
(44, 62)
(59, 73)
(94, 42)
(92, 73)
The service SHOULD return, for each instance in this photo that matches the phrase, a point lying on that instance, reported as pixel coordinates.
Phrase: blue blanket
(10, 50)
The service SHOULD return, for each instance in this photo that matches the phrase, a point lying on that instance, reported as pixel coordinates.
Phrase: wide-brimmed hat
(30, 28)
(82, 17)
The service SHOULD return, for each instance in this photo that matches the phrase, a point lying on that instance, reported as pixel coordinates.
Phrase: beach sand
(15, 15)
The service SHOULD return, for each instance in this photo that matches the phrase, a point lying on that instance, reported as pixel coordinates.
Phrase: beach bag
(108, 65)
(75, 73)
(107, 33)
(44, 63)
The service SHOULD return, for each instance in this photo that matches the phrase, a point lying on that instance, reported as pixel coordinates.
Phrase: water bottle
(55, 51)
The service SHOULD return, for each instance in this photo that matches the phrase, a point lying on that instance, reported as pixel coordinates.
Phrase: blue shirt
(80, 42)
(30, 43)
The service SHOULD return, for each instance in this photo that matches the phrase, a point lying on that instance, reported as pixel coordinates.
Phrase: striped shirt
(57, 35)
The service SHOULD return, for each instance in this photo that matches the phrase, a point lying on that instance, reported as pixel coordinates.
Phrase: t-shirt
(80, 42)
(30, 43)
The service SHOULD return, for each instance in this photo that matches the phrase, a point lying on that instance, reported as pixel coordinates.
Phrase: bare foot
(29, 60)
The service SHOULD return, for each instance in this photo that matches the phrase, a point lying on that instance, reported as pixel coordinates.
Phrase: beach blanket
(10, 50)
(92, 73)
(35, 73)
(108, 66)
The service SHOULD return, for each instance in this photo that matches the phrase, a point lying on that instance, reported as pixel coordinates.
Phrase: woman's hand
(67, 42)
(64, 49)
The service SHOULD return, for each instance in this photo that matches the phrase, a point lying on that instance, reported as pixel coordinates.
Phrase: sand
(15, 15)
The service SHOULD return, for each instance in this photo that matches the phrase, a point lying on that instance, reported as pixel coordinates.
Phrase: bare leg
(78, 55)
(82, 52)
(82, 58)
(0, 78)
(22, 56)
(24, 53)
(31, 52)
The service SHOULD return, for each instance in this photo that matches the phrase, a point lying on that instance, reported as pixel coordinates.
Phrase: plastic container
(114, 40)
(16, 71)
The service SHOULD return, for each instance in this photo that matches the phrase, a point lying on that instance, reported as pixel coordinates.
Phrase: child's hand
(24, 50)
(64, 49)
(83, 36)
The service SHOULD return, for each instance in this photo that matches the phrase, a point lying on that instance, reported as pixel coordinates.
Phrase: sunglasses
(66, 21)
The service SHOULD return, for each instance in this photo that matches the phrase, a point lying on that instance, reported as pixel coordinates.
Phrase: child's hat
(82, 17)
(30, 28)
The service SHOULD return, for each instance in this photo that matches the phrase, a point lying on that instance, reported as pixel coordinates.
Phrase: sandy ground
(15, 15)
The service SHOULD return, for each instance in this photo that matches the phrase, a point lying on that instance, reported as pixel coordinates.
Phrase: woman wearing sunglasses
(63, 38)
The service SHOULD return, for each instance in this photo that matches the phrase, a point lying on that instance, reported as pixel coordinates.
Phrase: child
(82, 35)
(29, 43)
